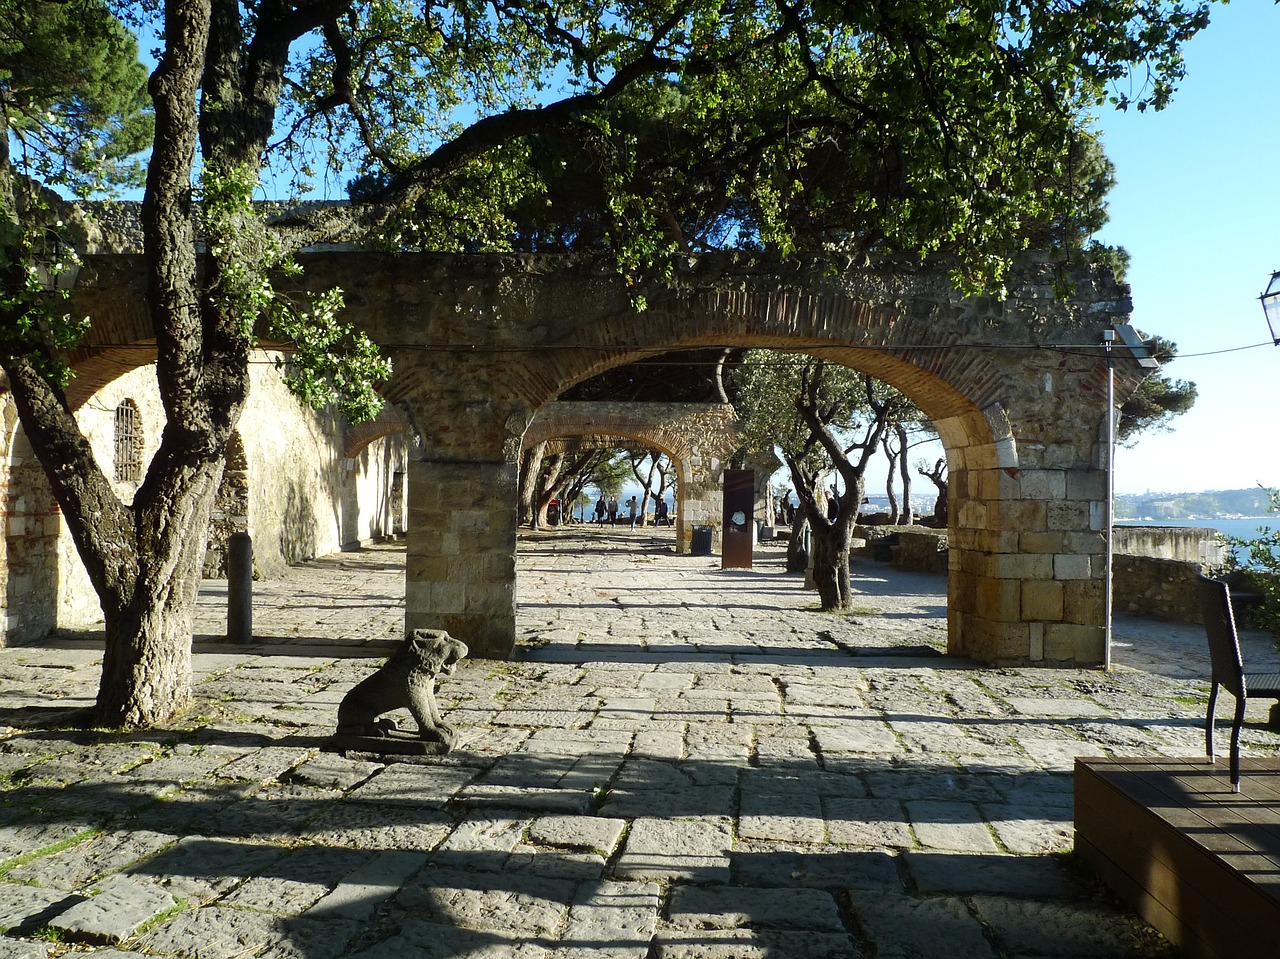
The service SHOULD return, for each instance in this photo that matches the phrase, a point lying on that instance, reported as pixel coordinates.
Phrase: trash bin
(701, 544)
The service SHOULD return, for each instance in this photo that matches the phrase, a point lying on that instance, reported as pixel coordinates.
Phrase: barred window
(128, 443)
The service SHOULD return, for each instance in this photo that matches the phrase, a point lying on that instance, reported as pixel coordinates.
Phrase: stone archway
(699, 438)
(1014, 387)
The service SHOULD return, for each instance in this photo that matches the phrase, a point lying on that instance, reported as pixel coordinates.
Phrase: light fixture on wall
(1270, 300)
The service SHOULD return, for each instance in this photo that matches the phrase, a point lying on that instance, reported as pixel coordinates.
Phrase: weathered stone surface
(483, 841)
(1071, 929)
(362, 890)
(856, 736)
(739, 907)
(434, 940)
(752, 944)
(1032, 877)
(380, 826)
(779, 808)
(545, 884)
(907, 928)
(23, 839)
(950, 825)
(198, 868)
(611, 920)
(829, 867)
(868, 822)
(518, 907)
(297, 880)
(1031, 830)
(693, 849)
(18, 949)
(118, 906)
(78, 866)
(25, 907)
(428, 786)
(578, 832)
(216, 932)
(327, 771)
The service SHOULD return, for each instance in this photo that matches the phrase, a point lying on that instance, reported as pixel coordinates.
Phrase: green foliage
(32, 259)
(1261, 570)
(611, 473)
(1158, 398)
(73, 93)
(331, 361)
(897, 127)
(766, 390)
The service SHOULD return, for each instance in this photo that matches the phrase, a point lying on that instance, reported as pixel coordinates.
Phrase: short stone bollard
(407, 680)
(239, 588)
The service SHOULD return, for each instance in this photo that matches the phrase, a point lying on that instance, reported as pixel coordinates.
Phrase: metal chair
(1228, 668)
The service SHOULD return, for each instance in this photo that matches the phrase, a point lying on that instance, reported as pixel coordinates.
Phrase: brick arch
(699, 438)
(480, 343)
(357, 436)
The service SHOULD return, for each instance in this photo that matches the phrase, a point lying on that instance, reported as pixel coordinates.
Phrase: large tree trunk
(831, 541)
(146, 666)
(530, 471)
(890, 483)
(144, 558)
(908, 514)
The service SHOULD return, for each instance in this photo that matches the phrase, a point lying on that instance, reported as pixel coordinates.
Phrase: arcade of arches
(483, 345)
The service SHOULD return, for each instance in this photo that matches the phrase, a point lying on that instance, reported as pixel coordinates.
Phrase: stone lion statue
(406, 679)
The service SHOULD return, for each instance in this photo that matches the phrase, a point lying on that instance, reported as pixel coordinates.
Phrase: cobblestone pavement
(684, 762)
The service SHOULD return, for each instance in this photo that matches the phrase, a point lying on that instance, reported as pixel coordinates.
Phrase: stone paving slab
(710, 770)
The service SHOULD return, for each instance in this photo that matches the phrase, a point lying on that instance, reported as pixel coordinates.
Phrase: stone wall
(289, 481)
(77, 601)
(1153, 568)
(481, 343)
(1159, 588)
(1187, 544)
(29, 545)
(921, 550)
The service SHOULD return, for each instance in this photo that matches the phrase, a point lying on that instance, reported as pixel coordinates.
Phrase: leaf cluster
(1262, 572)
(1158, 398)
(331, 362)
(73, 95)
(769, 390)
(897, 126)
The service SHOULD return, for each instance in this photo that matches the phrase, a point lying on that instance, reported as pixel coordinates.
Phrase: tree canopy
(1157, 400)
(73, 95)
(887, 127)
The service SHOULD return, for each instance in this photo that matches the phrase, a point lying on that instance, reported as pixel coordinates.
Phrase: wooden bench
(1198, 862)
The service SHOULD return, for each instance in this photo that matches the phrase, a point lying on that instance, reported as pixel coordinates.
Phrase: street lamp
(1271, 306)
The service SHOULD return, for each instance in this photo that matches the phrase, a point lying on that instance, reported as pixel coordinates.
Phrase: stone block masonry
(460, 574)
(482, 344)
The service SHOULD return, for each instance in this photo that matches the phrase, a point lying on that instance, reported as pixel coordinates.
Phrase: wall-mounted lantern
(1271, 306)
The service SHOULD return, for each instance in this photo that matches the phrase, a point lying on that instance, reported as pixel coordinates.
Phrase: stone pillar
(701, 501)
(1027, 570)
(461, 565)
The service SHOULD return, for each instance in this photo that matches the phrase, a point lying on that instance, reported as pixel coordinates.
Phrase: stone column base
(460, 569)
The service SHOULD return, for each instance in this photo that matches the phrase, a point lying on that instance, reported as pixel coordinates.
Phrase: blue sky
(1197, 204)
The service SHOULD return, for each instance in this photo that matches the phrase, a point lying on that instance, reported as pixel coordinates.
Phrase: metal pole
(1108, 338)
(239, 588)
